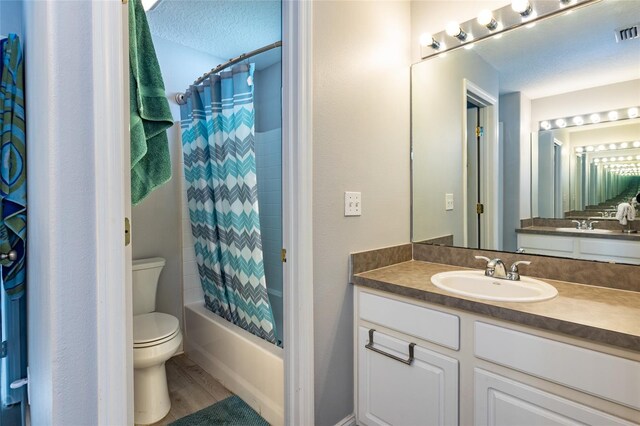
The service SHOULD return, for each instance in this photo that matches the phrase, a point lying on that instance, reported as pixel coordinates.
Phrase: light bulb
(523, 7)
(624, 145)
(485, 17)
(453, 29)
(632, 112)
(612, 146)
(595, 118)
(601, 148)
(590, 149)
(629, 158)
(613, 115)
(579, 149)
(545, 125)
(561, 122)
(612, 158)
(578, 120)
(596, 160)
(620, 158)
(636, 144)
(604, 160)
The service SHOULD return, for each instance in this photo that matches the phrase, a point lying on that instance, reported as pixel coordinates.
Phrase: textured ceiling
(567, 53)
(222, 28)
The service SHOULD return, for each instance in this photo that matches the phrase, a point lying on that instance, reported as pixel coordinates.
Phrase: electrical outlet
(448, 201)
(352, 203)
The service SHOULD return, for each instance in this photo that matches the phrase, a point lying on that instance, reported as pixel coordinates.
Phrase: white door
(500, 401)
(393, 393)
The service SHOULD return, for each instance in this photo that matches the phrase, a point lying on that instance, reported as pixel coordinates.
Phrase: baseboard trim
(350, 420)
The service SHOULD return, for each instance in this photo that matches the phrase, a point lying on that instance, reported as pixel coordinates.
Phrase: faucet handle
(590, 226)
(577, 222)
(514, 274)
(514, 266)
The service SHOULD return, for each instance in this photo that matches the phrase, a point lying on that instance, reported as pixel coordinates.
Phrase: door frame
(490, 159)
(297, 173)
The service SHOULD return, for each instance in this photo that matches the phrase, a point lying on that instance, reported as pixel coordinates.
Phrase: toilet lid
(154, 326)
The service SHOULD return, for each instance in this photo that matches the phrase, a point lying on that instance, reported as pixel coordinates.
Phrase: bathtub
(245, 364)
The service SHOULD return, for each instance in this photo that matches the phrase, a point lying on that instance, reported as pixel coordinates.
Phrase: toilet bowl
(156, 338)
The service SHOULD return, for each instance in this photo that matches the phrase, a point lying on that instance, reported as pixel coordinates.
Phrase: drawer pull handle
(407, 361)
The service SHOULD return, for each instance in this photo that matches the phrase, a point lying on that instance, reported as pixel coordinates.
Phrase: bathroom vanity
(597, 244)
(426, 356)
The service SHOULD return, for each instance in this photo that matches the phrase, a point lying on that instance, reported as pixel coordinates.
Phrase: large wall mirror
(533, 129)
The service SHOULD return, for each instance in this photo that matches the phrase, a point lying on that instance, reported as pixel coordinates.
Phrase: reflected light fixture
(545, 125)
(595, 118)
(579, 149)
(561, 122)
(624, 145)
(523, 7)
(632, 112)
(601, 148)
(590, 149)
(426, 39)
(578, 121)
(612, 146)
(613, 115)
(485, 17)
(453, 30)
(636, 144)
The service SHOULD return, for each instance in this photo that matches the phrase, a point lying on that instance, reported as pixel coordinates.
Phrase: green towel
(150, 113)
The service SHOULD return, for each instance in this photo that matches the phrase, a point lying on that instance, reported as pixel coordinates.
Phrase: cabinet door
(393, 393)
(500, 401)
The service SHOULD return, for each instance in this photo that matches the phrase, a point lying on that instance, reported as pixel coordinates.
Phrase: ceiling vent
(627, 33)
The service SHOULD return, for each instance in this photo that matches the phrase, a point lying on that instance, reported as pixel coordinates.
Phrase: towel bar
(407, 361)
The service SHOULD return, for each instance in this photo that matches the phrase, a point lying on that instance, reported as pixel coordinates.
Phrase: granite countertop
(599, 314)
(550, 230)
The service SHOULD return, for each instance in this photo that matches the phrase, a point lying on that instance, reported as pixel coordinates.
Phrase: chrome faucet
(497, 269)
(590, 225)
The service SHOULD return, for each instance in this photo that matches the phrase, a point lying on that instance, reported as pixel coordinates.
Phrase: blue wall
(268, 107)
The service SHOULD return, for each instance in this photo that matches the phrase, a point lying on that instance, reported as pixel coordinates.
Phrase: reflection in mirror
(498, 161)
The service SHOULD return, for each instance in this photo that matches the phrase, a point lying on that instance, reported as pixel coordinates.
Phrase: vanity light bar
(490, 23)
(595, 118)
(609, 147)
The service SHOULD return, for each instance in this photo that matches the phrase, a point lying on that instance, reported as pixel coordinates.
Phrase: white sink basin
(586, 231)
(476, 284)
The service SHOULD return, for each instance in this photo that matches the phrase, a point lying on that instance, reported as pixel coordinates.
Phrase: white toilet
(156, 337)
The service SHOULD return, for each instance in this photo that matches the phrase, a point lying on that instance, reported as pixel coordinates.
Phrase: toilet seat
(154, 329)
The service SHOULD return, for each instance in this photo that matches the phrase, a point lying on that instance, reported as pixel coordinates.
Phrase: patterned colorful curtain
(220, 169)
(13, 217)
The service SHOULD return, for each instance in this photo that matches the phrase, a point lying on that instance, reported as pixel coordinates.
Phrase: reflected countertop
(566, 232)
(602, 315)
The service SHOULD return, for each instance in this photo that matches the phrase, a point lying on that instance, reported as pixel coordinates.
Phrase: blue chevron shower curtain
(218, 136)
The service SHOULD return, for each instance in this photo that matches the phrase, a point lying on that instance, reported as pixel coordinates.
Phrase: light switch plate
(352, 203)
(448, 201)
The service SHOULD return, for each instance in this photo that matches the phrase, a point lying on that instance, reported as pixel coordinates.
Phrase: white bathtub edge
(263, 391)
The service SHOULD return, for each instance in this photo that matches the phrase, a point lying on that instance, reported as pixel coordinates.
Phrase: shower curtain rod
(180, 97)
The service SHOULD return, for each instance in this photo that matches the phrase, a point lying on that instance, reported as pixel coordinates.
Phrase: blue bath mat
(230, 412)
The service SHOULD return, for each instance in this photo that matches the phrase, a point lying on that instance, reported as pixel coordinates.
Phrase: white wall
(157, 222)
(438, 103)
(72, 343)
(361, 143)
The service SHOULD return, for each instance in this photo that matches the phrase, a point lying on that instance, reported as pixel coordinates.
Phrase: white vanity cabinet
(392, 388)
(472, 370)
(604, 249)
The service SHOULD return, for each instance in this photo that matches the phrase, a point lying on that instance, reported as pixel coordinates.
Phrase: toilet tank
(145, 283)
